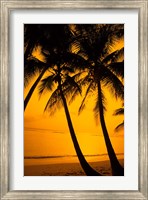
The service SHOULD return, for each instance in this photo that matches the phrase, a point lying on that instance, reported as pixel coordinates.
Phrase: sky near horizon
(46, 135)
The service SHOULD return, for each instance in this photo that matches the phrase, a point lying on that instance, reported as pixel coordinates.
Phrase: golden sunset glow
(46, 135)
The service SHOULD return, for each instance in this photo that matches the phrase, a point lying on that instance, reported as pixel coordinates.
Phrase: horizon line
(64, 156)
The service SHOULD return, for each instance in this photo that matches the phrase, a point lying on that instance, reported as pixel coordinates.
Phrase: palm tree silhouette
(33, 37)
(49, 37)
(91, 43)
(65, 85)
(94, 46)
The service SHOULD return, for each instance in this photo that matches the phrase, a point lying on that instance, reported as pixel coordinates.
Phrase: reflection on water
(42, 160)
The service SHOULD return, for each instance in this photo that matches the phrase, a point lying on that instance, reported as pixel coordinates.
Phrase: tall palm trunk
(117, 169)
(33, 88)
(89, 171)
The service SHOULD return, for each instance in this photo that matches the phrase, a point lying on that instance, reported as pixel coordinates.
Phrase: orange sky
(46, 135)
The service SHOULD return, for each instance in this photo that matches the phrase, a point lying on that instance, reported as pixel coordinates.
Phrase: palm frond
(77, 76)
(71, 87)
(97, 106)
(119, 111)
(86, 80)
(80, 82)
(75, 61)
(71, 82)
(75, 46)
(97, 41)
(54, 102)
(74, 95)
(119, 126)
(67, 69)
(88, 90)
(118, 30)
(31, 38)
(83, 54)
(112, 33)
(113, 83)
(117, 68)
(31, 68)
(47, 84)
(114, 56)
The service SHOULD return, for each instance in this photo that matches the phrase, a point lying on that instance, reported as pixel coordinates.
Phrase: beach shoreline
(67, 169)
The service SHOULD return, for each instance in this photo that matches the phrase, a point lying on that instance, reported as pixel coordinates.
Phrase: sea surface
(42, 160)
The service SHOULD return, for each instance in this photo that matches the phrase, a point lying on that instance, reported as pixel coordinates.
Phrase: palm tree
(104, 70)
(49, 38)
(33, 37)
(65, 85)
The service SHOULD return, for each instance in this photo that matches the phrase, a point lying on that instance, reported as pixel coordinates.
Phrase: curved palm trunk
(117, 169)
(33, 88)
(84, 164)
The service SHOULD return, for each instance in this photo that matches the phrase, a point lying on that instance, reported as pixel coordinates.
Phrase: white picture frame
(6, 7)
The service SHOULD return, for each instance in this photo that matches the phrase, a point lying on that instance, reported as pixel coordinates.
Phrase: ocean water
(40, 148)
(43, 160)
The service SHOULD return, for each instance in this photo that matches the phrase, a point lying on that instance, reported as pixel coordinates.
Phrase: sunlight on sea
(65, 159)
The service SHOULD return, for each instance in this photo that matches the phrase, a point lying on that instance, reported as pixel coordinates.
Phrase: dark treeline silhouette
(76, 57)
